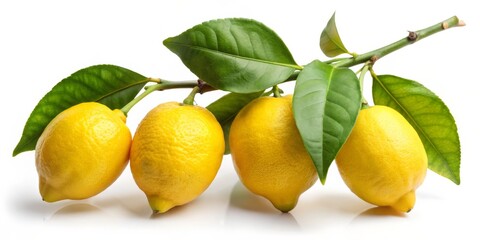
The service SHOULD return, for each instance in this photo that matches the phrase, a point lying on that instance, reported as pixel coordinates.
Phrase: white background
(42, 42)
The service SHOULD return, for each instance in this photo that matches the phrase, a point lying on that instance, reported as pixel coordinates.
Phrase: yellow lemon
(81, 152)
(268, 152)
(176, 153)
(383, 160)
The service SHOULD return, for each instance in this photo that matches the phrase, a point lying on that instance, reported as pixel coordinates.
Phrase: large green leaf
(326, 103)
(430, 117)
(330, 41)
(234, 54)
(111, 85)
(226, 108)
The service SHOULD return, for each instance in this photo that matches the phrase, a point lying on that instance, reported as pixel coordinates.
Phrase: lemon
(268, 153)
(383, 160)
(176, 153)
(81, 152)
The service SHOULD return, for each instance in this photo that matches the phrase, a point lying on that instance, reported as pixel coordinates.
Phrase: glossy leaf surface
(234, 54)
(108, 84)
(430, 117)
(330, 42)
(326, 103)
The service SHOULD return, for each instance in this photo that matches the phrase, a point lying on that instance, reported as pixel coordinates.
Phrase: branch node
(201, 84)
(373, 59)
(412, 36)
(445, 25)
(204, 87)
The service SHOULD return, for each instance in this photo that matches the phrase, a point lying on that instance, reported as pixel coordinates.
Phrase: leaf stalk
(361, 78)
(191, 97)
(277, 92)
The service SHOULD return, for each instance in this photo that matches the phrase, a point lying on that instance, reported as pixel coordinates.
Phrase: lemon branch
(161, 85)
(368, 58)
(148, 90)
(373, 56)
(413, 37)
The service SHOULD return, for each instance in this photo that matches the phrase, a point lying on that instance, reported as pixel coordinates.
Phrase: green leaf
(330, 41)
(227, 107)
(234, 54)
(326, 103)
(430, 117)
(111, 85)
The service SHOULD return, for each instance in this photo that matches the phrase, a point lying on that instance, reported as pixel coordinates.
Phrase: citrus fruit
(268, 152)
(81, 152)
(383, 160)
(176, 152)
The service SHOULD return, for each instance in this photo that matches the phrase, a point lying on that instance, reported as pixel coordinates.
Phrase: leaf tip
(15, 152)
(323, 179)
(456, 180)
(21, 147)
(330, 42)
(166, 41)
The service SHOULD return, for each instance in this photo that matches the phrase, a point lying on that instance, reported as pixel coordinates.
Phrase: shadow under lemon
(121, 204)
(76, 208)
(76, 212)
(384, 223)
(31, 205)
(378, 214)
(249, 211)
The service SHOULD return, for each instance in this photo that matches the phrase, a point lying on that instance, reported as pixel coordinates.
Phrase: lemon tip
(159, 205)
(405, 203)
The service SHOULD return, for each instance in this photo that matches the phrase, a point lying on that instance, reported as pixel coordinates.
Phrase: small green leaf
(326, 103)
(430, 117)
(330, 41)
(111, 85)
(234, 54)
(227, 107)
